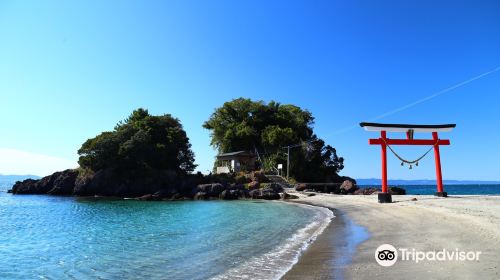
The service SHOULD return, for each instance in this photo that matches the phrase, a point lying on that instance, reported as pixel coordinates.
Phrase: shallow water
(47, 237)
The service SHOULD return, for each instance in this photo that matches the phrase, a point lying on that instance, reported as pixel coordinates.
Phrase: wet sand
(467, 223)
(331, 252)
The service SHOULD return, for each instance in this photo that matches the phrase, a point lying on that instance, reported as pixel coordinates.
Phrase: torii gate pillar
(384, 142)
(439, 176)
(384, 196)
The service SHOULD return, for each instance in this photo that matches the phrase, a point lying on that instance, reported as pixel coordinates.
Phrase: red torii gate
(384, 142)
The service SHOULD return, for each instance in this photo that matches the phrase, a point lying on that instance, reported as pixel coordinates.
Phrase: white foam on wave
(275, 264)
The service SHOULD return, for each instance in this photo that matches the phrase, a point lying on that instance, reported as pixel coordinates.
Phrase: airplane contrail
(432, 96)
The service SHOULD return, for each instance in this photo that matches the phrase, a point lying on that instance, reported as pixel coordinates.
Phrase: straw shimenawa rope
(403, 161)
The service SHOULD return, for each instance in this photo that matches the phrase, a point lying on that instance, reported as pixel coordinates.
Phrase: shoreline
(281, 259)
(468, 223)
(331, 252)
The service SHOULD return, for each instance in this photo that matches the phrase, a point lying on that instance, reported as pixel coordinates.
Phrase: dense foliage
(141, 142)
(243, 124)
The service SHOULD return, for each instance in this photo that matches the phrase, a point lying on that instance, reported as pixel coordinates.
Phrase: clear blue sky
(69, 70)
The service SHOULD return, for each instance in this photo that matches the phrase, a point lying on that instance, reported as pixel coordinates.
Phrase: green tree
(141, 142)
(316, 162)
(243, 124)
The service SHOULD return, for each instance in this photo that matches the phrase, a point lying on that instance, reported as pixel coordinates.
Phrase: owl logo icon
(386, 255)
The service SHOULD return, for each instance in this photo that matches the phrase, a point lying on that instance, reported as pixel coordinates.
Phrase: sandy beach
(466, 223)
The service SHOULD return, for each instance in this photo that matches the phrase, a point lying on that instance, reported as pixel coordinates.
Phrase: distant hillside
(373, 181)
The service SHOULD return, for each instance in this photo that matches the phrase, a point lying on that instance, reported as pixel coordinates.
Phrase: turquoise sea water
(456, 189)
(46, 237)
(486, 189)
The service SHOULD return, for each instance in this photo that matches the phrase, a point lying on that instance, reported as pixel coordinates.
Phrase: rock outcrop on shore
(159, 186)
(169, 185)
(348, 186)
(345, 186)
(59, 183)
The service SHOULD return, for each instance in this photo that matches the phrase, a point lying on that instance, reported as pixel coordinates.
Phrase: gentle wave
(275, 264)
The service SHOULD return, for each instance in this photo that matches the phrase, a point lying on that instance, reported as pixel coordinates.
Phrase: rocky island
(163, 186)
(150, 158)
(146, 157)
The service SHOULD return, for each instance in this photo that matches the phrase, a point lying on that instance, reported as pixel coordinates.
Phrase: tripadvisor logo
(387, 255)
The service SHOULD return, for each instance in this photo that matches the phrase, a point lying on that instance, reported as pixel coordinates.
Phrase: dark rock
(45, 184)
(60, 183)
(229, 195)
(289, 196)
(366, 191)
(300, 187)
(240, 192)
(101, 182)
(332, 188)
(148, 197)
(237, 186)
(82, 183)
(244, 194)
(24, 187)
(104, 182)
(272, 187)
(311, 194)
(110, 182)
(319, 187)
(267, 193)
(253, 185)
(414, 199)
(270, 195)
(397, 191)
(201, 196)
(176, 196)
(64, 183)
(345, 178)
(211, 190)
(242, 179)
(348, 187)
(165, 193)
(254, 194)
(257, 176)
